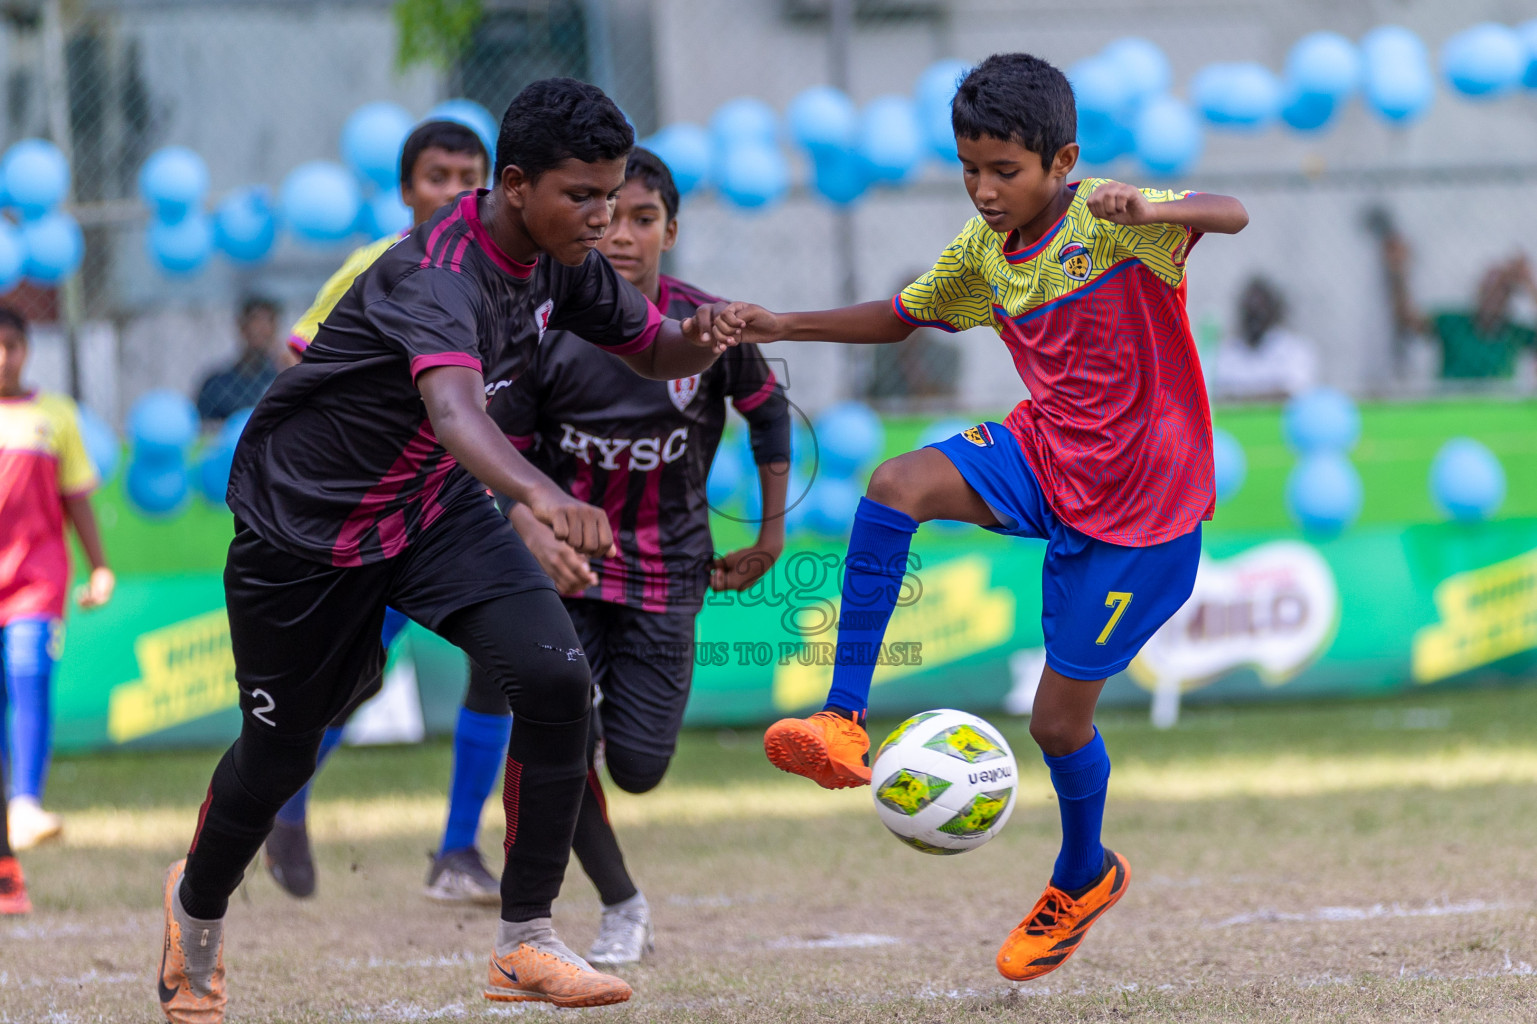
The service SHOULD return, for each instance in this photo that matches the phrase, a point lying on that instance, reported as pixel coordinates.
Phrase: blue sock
(480, 749)
(28, 670)
(297, 809)
(872, 582)
(1080, 779)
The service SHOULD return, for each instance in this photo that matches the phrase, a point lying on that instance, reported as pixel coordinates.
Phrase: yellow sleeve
(954, 296)
(77, 474)
(303, 331)
(1162, 248)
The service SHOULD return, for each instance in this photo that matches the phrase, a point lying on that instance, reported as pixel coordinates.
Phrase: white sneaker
(460, 876)
(29, 824)
(624, 934)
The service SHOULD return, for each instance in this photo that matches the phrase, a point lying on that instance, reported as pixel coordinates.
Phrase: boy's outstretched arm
(682, 348)
(1121, 203)
(867, 323)
(455, 397)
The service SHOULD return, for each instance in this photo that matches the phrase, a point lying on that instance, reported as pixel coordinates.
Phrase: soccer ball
(944, 782)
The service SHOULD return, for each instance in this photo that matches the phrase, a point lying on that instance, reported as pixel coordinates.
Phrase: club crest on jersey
(542, 316)
(979, 435)
(1076, 261)
(683, 390)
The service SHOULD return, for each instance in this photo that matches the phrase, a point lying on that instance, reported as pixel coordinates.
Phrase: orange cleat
(13, 888)
(530, 974)
(1043, 941)
(826, 748)
(180, 999)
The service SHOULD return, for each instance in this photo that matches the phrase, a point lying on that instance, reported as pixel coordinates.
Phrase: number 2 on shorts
(1119, 600)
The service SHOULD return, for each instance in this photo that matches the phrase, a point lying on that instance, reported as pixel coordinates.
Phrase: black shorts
(642, 666)
(305, 635)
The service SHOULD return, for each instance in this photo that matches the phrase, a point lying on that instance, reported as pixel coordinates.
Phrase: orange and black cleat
(183, 1000)
(826, 748)
(13, 888)
(1043, 941)
(531, 974)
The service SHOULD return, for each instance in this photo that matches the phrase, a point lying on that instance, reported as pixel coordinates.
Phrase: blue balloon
(1242, 95)
(35, 175)
(891, 140)
(173, 182)
(850, 436)
(1485, 61)
(371, 142)
(1229, 463)
(840, 176)
(1467, 481)
(933, 93)
(244, 225)
(156, 487)
(385, 214)
(1323, 493)
(13, 256)
(320, 201)
(1399, 86)
(1099, 88)
(471, 114)
(213, 470)
(1321, 420)
(1323, 64)
(54, 247)
(162, 423)
(744, 119)
(686, 150)
(831, 505)
(1528, 34)
(753, 174)
(182, 246)
(1307, 111)
(101, 443)
(726, 478)
(1167, 136)
(822, 118)
(1102, 138)
(1142, 65)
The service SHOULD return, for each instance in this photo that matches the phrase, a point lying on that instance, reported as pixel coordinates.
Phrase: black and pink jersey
(339, 462)
(642, 450)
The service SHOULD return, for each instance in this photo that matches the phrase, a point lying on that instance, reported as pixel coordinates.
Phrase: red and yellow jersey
(360, 259)
(42, 462)
(1116, 427)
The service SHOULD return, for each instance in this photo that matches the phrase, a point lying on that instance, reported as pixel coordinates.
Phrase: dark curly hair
(1019, 98)
(556, 119)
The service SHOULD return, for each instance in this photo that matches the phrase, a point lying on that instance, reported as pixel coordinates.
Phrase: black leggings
(526, 643)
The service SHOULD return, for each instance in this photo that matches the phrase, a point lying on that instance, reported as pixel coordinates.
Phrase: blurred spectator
(1481, 342)
(926, 365)
(1265, 360)
(239, 385)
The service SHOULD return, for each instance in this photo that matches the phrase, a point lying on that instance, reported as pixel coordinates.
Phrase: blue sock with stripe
(28, 664)
(480, 749)
(872, 583)
(298, 807)
(1080, 779)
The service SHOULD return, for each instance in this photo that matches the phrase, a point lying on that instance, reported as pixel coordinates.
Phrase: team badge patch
(1076, 261)
(682, 391)
(979, 435)
(542, 316)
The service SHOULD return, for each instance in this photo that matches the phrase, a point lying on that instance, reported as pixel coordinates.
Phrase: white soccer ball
(944, 782)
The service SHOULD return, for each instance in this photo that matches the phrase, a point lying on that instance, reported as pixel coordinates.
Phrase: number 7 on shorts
(1119, 600)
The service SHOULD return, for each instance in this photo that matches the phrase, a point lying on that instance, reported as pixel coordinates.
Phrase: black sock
(596, 846)
(546, 772)
(5, 833)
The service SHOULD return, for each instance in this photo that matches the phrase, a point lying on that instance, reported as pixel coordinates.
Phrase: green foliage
(434, 32)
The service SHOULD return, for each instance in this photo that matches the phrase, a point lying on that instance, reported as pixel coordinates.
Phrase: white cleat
(460, 876)
(624, 934)
(30, 825)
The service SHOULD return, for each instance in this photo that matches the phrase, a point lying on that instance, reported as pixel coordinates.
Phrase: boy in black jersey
(642, 450)
(360, 482)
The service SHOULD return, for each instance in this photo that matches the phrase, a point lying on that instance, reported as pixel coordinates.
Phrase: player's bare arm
(683, 347)
(456, 406)
(567, 568)
(98, 588)
(866, 323)
(1121, 203)
(740, 569)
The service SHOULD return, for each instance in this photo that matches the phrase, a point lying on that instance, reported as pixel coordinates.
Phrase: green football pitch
(1344, 862)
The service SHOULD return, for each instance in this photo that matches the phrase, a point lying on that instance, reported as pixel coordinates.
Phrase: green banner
(1273, 614)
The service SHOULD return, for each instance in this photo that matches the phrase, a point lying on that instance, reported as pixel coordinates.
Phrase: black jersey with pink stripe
(642, 450)
(339, 462)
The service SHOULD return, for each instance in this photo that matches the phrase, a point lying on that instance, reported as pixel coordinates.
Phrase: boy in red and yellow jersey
(45, 477)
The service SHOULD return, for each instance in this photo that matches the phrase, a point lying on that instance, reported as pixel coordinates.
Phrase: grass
(1344, 862)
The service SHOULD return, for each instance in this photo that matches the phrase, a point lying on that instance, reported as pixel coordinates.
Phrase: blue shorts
(1100, 602)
